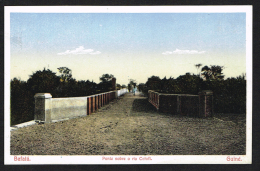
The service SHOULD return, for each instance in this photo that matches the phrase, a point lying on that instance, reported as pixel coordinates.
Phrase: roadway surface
(131, 126)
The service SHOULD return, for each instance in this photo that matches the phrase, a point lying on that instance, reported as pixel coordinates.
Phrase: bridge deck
(130, 125)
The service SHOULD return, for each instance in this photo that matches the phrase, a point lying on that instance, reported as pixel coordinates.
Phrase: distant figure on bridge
(134, 90)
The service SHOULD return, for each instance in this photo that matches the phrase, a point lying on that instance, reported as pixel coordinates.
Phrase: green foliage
(141, 87)
(118, 86)
(22, 102)
(129, 87)
(46, 81)
(80, 88)
(153, 83)
(132, 83)
(184, 84)
(106, 78)
(198, 66)
(188, 84)
(212, 73)
(22, 94)
(65, 74)
(229, 95)
(106, 82)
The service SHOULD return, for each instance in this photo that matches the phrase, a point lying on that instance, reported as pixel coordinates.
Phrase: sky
(127, 45)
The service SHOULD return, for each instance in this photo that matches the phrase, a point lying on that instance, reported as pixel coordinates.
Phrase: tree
(106, 82)
(44, 81)
(65, 74)
(118, 86)
(22, 102)
(187, 84)
(217, 72)
(153, 83)
(133, 82)
(198, 66)
(169, 85)
(106, 78)
(212, 73)
(141, 87)
(22, 94)
(129, 87)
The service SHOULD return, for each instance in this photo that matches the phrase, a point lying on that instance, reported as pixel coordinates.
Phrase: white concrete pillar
(43, 106)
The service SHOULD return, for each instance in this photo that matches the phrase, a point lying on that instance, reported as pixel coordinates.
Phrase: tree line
(229, 94)
(47, 81)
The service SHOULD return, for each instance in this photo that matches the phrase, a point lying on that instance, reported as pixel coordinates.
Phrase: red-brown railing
(184, 104)
(48, 109)
(153, 98)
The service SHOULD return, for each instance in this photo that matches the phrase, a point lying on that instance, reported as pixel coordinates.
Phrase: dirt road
(131, 126)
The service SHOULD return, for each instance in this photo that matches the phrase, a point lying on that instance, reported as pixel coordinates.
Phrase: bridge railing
(184, 104)
(48, 109)
(153, 98)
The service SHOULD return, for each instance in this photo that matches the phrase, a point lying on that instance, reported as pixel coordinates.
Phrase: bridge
(130, 125)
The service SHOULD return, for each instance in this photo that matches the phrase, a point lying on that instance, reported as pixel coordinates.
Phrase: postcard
(128, 85)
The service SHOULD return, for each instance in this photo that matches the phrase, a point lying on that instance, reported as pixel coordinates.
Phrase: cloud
(167, 53)
(80, 51)
(95, 53)
(178, 51)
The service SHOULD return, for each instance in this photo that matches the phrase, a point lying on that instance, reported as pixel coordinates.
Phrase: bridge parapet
(48, 109)
(185, 104)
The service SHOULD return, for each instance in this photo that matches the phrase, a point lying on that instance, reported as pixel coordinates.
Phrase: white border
(176, 159)
(129, 9)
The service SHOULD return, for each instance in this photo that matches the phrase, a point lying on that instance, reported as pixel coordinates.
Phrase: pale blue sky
(129, 45)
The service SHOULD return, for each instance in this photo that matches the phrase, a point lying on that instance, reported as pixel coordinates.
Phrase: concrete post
(113, 84)
(43, 107)
(206, 103)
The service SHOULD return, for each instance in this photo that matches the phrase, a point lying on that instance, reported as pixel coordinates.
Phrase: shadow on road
(142, 105)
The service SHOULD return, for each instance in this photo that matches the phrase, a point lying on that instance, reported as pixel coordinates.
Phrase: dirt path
(131, 126)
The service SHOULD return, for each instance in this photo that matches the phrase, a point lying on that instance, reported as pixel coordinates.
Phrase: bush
(229, 95)
(22, 102)
(46, 81)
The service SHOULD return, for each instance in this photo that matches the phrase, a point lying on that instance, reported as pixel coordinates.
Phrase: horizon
(127, 45)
